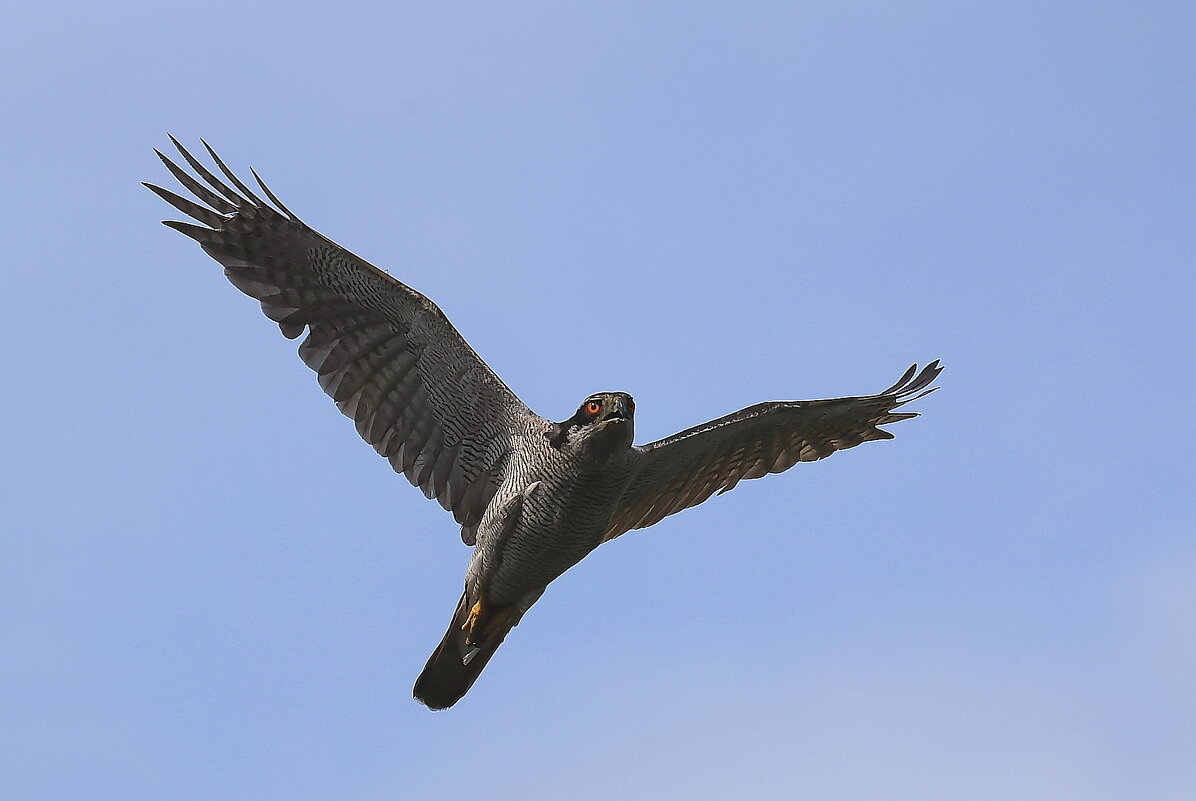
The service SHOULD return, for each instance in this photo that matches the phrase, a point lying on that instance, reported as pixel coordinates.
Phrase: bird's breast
(560, 521)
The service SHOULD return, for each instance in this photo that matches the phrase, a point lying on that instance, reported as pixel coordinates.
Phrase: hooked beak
(618, 410)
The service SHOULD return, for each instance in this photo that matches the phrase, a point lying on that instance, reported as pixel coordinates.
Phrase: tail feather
(454, 666)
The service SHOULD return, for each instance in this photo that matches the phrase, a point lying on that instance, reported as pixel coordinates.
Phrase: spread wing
(385, 353)
(685, 469)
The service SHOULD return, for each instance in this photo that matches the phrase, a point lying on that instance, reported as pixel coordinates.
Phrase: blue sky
(211, 589)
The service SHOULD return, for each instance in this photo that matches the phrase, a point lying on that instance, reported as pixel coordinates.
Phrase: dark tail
(449, 674)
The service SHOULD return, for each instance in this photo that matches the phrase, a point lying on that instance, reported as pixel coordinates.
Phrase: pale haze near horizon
(212, 589)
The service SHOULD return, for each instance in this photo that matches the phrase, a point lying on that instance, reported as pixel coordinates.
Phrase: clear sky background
(211, 589)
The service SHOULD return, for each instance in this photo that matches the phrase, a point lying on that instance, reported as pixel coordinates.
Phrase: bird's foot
(484, 622)
(471, 622)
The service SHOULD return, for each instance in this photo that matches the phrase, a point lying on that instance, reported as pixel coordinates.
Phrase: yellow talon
(472, 620)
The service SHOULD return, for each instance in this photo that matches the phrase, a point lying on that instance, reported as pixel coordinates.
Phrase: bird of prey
(532, 496)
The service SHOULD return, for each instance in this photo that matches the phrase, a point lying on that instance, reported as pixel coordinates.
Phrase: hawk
(532, 496)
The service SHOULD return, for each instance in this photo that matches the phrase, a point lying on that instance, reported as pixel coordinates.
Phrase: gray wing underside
(385, 353)
(685, 469)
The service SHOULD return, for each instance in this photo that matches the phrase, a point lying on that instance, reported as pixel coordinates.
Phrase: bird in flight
(532, 496)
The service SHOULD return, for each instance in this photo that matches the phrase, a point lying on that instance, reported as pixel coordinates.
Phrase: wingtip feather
(206, 174)
(190, 208)
(915, 381)
(273, 197)
(230, 175)
(197, 232)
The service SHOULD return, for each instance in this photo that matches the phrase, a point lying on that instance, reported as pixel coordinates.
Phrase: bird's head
(604, 420)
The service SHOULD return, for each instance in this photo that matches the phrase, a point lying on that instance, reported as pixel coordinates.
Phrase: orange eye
(593, 407)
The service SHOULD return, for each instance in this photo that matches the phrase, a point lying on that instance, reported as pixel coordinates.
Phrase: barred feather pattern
(685, 469)
(561, 521)
(386, 354)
